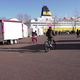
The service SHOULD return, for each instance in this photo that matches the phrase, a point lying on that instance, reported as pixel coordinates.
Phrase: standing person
(77, 33)
(34, 37)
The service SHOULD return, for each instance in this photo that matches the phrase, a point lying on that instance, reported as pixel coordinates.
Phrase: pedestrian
(34, 37)
(77, 32)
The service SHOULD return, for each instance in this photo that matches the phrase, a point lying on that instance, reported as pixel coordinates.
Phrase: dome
(14, 19)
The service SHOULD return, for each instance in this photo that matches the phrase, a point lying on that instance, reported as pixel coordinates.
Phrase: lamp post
(54, 23)
(75, 25)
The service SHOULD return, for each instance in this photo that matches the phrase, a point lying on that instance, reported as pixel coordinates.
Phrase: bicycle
(49, 44)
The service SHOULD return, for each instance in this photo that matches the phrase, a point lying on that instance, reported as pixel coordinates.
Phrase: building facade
(41, 23)
(46, 19)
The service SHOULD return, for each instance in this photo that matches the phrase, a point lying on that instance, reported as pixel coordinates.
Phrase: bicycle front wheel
(53, 44)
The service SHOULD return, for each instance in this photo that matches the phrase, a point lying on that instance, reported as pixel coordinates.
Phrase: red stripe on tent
(2, 28)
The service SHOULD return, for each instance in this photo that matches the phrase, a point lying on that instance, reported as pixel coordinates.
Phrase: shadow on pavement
(68, 41)
(40, 47)
(71, 46)
(31, 48)
(68, 45)
(34, 48)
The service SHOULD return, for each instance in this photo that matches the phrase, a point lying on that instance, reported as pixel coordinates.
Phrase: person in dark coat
(77, 33)
(50, 33)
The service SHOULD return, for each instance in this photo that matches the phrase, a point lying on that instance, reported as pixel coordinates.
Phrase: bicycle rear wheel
(46, 46)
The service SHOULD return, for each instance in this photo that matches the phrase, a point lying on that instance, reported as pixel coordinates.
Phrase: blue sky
(60, 8)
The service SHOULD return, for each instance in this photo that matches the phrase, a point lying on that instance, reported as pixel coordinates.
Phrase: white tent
(25, 27)
(14, 19)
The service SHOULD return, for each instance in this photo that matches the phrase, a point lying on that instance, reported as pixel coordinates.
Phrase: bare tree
(76, 14)
(4, 18)
(26, 19)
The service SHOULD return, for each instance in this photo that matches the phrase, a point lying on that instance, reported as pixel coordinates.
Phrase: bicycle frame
(49, 44)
